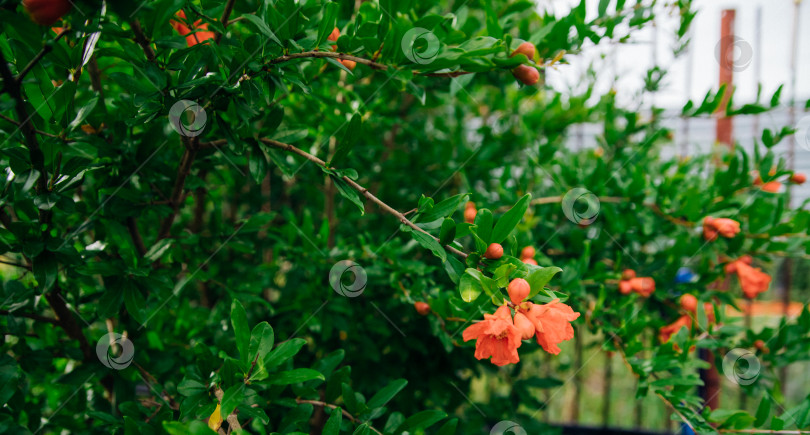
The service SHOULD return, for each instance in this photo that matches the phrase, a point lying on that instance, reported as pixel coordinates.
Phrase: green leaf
(422, 420)
(295, 376)
(261, 341)
(350, 137)
(190, 387)
(332, 426)
(283, 352)
(444, 208)
(232, 397)
(428, 242)
(386, 394)
(348, 192)
(240, 329)
(510, 219)
(763, 412)
(483, 222)
(134, 302)
(263, 27)
(469, 288)
(448, 232)
(157, 250)
(538, 277)
(257, 165)
(448, 428)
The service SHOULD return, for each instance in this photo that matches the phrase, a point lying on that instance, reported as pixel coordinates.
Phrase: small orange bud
(798, 178)
(469, 214)
(422, 308)
(772, 186)
(760, 345)
(524, 325)
(628, 274)
(518, 290)
(527, 49)
(350, 64)
(527, 75)
(689, 303)
(531, 261)
(334, 35)
(527, 252)
(494, 251)
(625, 288)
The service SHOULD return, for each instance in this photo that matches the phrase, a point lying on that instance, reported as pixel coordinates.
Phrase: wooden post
(724, 126)
(725, 135)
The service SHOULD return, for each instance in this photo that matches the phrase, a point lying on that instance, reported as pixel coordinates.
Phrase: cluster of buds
(630, 283)
(333, 37)
(727, 228)
(527, 255)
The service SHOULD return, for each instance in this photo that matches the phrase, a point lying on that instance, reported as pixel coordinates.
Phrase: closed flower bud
(494, 251)
(518, 290)
(527, 75)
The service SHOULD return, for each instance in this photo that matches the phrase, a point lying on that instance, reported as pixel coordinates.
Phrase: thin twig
(343, 411)
(141, 39)
(45, 50)
(36, 317)
(226, 14)
(362, 190)
(324, 54)
(183, 170)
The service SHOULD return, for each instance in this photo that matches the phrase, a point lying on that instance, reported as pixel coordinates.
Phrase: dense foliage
(225, 216)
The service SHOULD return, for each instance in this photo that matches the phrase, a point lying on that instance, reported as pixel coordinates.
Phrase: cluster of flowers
(499, 335)
(752, 279)
(629, 283)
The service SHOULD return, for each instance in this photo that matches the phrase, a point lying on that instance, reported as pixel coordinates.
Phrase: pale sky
(630, 61)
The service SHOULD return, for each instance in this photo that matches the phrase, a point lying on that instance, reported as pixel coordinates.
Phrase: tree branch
(324, 54)
(36, 317)
(132, 227)
(140, 38)
(179, 183)
(362, 190)
(226, 14)
(35, 153)
(45, 50)
(345, 413)
(68, 322)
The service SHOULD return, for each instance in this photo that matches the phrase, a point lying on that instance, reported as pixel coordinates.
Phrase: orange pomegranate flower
(194, 38)
(643, 286)
(722, 226)
(496, 336)
(752, 279)
(551, 323)
(666, 332)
